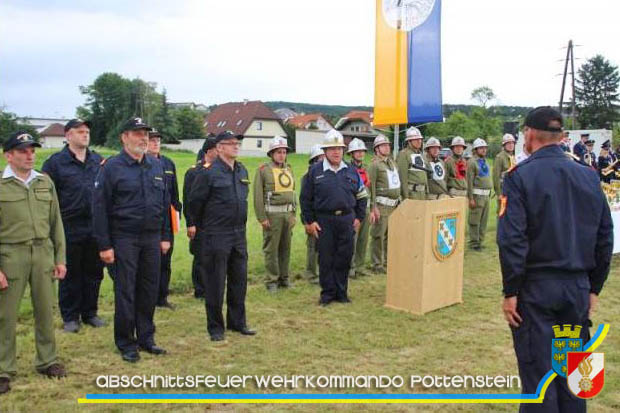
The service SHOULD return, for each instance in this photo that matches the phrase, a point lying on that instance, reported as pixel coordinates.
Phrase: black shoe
(199, 296)
(272, 287)
(217, 337)
(344, 300)
(156, 350)
(244, 331)
(284, 284)
(324, 303)
(477, 248)
(56, 371)
(4, 385)
(131, 356)
(71, 327)
(95, 322)
(167, 305)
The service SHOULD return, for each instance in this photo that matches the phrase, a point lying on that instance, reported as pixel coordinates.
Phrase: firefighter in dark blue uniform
(73, 171)
(606, 163)
(172, 186)
(555, 238)
(218, 204)
(333, 204)
(132, 227)
(580, 149)
(209, 155)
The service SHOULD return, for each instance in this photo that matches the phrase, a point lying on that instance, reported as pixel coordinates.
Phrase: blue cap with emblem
(136, 124)
(18, 140)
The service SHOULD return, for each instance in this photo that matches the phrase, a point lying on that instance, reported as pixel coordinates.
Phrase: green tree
(164, 122)
(9, 124)
(189, 123)
(597, 93)
(483, 95)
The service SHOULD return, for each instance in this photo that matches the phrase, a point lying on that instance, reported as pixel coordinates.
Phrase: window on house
(259, 143)
(259, 126)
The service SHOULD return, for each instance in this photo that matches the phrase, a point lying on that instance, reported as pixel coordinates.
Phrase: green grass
(298, 337)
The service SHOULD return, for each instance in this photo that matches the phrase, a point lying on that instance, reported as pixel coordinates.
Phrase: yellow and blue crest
(445, 235)
(566, 340)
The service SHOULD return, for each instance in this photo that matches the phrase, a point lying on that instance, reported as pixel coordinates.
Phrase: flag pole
(396, 139)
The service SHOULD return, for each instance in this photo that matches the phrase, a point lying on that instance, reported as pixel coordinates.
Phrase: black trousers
(78, 293)
(197, 277)
(164, 279)
(223, 263)
(335, 247)
(136, 284)
(543, 303)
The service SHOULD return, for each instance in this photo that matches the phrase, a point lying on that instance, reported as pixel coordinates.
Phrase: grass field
(295, 336)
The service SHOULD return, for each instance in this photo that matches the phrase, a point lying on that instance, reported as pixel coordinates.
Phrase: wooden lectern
(426, 244)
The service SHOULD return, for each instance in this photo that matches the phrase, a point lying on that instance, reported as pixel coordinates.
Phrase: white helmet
(380, 140)
(508, 138)
(276, 143)
(315, 151)
(480, 143)
(413, 133)
(356, 145)
(432, 142)
(333, 139)
(457, 140)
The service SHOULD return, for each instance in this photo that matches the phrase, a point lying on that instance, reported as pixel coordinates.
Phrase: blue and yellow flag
(408, 62)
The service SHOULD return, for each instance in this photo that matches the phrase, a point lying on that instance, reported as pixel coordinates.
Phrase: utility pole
(570, 58)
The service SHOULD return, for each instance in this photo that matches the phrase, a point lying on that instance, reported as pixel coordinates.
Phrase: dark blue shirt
(556, 222)
(326, 191)
(218, 200)
(170, 178)
(130, 198)
(74, 181)
(188, 181)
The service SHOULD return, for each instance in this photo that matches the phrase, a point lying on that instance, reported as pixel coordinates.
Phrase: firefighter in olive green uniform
(456, 168)
(414, 181)
(274, 205)
(479, 186)
(437, 187)
(503, 162)
(384, 197)
(312, 254)
(32, 252)
(357, 150)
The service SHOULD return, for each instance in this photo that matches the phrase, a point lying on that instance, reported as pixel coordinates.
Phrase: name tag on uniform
(159, 178)
(417, 160)
(283, 180)
(393, 179)
(438, 171)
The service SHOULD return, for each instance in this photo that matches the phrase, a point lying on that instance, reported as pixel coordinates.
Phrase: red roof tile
(302, 120)
(55, 129)
(237, 116)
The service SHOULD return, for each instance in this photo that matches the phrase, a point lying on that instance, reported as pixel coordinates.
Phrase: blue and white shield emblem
(559, 348)
(445, 235)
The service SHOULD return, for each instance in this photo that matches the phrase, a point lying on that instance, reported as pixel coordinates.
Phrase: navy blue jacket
(130, 198)
(324, 192)
(218, 199)
(170, 178)
(74, 181)
(580, 149)
(556, 222)
(188, 181)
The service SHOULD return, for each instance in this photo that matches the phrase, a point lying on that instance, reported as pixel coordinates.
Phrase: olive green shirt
(410, 176)
(437, 182)
(273, 188)
(474, 180)
(378, 173)
(29, 213)
(503, 162)
(451, 173)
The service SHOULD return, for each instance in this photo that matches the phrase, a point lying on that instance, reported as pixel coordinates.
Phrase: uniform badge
(566, 339)
(503, 204)
(393, 178)
(586, 373)
(283, 180)
(445, 235)
(438, 172)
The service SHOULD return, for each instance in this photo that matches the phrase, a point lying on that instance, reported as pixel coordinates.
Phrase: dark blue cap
(222, 136)
(136, 124)
(76, 123)
(20, 139)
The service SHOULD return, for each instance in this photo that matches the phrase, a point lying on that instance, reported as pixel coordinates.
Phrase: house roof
(362, 115)
(55, 129)
(237, 116)
(302, 120)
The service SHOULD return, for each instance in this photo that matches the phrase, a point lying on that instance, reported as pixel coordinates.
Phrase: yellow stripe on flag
(391, 70)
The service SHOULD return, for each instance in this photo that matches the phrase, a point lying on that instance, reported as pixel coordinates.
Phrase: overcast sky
(319, 51)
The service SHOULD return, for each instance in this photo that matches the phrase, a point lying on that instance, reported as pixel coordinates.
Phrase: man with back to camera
(553, 264)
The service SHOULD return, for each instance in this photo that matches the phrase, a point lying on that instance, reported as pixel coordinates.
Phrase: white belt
(386, 201)
(417, 187)
(483, 192)
(280, 208)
